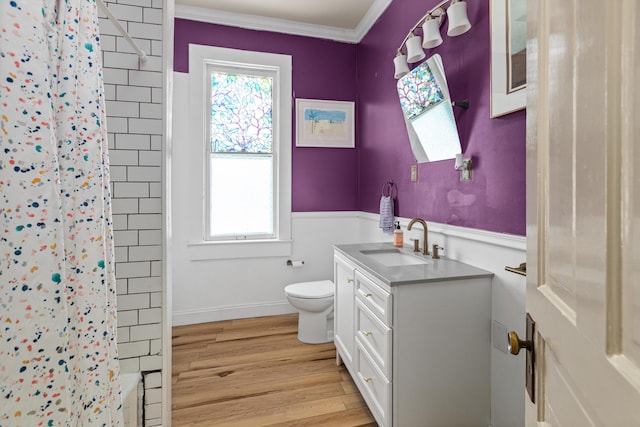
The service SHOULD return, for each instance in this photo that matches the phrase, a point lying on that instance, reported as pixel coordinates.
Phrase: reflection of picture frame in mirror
(508, 56)
(328, 124)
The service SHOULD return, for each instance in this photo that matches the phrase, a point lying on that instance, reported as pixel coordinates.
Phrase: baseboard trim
(190, 317)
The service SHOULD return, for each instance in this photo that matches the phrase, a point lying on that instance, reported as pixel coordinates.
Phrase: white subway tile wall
(134, 95)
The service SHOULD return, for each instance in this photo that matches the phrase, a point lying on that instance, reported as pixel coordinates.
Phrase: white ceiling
(344, 20)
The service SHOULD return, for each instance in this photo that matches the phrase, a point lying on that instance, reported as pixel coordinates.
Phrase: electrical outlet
(414, 173)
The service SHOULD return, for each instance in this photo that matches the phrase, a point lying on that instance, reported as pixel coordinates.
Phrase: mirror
(428, 112)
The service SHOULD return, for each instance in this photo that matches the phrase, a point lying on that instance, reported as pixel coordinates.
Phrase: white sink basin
(394, 257)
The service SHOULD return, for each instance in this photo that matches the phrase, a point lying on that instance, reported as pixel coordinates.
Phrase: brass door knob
(516, 344)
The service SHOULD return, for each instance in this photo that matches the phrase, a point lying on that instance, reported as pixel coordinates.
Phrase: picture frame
(508, 56)
(328, 124)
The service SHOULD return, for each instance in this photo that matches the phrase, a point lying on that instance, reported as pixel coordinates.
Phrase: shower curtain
(58, 356)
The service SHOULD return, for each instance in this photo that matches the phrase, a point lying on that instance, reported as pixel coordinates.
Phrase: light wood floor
(254, 372)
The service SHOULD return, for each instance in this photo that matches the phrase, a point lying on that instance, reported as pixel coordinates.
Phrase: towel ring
(388, 186)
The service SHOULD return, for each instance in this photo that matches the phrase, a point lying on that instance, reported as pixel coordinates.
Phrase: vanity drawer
(375, 336)
(374, 297)
(375, 387)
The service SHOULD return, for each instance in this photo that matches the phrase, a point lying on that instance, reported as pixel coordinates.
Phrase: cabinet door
(344, 310)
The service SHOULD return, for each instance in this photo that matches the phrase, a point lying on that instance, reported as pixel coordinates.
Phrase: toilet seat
(310, 290)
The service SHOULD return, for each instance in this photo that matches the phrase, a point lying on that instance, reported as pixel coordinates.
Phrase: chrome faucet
(425, 249)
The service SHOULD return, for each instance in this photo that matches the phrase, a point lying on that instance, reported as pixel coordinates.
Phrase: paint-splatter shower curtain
(58, 357)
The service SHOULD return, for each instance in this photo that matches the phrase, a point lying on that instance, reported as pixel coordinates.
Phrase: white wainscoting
(212, 290)
(205, 291)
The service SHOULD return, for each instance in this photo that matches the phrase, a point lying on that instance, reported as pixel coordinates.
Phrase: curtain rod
(114, 20)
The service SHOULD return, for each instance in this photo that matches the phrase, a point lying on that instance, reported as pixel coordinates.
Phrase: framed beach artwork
(508, 56)
(325, 123)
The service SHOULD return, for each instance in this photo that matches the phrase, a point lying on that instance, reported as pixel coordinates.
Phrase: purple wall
(494, 199)
(346, 179)
(323, 179)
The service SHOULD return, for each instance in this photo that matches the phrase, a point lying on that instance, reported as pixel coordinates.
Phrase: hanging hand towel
(386, 209)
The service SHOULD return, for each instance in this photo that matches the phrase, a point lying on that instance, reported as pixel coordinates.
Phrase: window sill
(203, 251)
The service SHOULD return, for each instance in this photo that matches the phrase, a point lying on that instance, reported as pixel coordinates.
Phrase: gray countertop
(435, 270)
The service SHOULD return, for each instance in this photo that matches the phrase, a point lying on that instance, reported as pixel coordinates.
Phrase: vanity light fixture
(414, 49)
(431, 22)
(464, 166)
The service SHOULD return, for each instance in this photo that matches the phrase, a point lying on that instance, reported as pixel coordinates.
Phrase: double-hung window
(241, 183)
(245, 123)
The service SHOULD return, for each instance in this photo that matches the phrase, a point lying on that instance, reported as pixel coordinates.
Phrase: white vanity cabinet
(343, 321)
(420, 351)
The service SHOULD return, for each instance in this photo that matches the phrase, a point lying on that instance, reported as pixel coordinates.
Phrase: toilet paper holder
(295, 264)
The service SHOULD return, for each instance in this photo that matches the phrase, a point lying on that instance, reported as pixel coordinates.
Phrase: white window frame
(200, 60)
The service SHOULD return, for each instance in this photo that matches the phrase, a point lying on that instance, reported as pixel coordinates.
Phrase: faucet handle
(416, 245)
(435, 251)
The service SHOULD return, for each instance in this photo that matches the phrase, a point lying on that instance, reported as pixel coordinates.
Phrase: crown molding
(370, 18)
(255, 22)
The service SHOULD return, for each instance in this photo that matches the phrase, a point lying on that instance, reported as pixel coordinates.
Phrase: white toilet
(314, 300)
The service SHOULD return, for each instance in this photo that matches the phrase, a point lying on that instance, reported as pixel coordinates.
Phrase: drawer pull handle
(367, 379)
(368, 295)
(349, 280)
(367, 333)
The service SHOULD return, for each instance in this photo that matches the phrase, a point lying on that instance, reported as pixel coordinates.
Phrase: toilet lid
(319, 289)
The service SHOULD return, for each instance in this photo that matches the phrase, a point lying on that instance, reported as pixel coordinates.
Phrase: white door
(583, 210)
